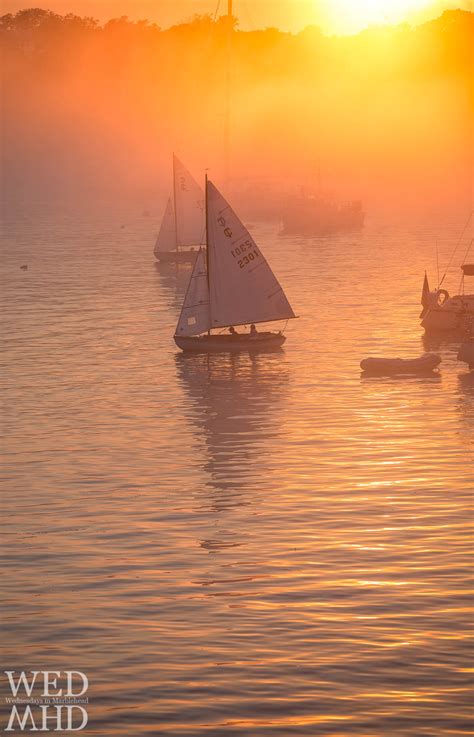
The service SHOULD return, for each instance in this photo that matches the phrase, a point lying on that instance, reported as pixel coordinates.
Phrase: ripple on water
(246, 545)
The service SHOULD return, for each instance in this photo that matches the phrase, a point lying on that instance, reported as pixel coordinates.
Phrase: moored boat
(319, 215)
(445, 314)
(426, 363)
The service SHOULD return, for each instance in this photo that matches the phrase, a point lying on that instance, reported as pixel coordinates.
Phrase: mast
(227, 106)
(174, 206)
(207, 240)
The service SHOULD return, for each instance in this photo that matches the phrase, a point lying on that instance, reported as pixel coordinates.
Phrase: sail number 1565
(247, 251)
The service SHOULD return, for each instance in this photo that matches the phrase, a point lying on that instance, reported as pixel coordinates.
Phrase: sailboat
(444, 313)
(231, 285)
(182, 229)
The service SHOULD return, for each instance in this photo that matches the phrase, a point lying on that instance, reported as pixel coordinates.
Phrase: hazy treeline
(93, 111)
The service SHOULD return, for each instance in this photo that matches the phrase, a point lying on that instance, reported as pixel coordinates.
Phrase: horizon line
(373, 26)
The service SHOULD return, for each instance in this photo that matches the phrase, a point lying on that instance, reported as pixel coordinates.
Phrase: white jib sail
(166, 240)
(194, 318)
(190, 207)
(243, 288)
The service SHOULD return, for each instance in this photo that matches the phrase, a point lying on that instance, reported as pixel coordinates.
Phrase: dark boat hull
(230, 343)
(455, 315)
(176, 257)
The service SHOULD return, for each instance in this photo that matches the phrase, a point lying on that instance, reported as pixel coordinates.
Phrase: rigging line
(249, 16)
(467, 250)
(461, 283)
(217, 10)
(456, 248)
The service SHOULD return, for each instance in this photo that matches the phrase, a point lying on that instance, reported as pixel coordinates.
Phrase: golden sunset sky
(384, 116)
(333, 16)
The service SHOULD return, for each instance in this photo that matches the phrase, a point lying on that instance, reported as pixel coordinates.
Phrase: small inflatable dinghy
(391, 366)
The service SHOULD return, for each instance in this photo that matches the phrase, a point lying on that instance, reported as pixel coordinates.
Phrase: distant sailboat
(231, 284)
(182, 229)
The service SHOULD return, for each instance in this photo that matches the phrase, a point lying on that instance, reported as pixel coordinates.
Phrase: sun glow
(351, 16)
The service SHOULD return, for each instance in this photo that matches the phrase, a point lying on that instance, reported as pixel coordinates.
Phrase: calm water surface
(235, 545)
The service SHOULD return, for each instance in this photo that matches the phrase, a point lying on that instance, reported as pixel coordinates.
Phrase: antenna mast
(227, 105)
(176, 243)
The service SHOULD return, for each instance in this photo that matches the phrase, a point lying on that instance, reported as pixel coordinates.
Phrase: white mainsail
(166, 239)
(195, 318)
(190, 207)
(243, 288)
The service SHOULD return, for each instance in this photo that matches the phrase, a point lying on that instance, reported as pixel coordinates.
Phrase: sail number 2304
(245, 253)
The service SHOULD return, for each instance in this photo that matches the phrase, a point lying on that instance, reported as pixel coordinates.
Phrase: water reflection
(234, 402)
(427, 377)
(437, 343)
(448, 347)
(173, 282)
(287, 548)
(466, 395)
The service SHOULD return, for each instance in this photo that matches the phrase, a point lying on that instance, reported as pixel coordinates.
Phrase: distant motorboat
(182, 230)
(426, 363)
(231, 285)
(320, 215)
